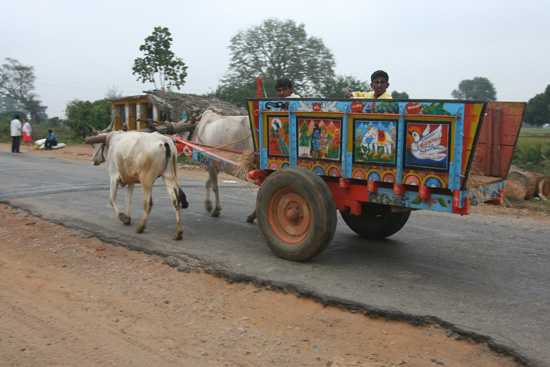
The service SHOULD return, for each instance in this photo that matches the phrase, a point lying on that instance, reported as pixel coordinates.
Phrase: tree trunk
(523, 184)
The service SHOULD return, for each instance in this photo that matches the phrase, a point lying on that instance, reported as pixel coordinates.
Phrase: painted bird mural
(428, 144)
(277, 129)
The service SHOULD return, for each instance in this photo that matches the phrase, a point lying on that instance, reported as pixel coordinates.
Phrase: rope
(221, 146)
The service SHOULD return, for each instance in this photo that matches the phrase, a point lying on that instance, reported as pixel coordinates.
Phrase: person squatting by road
(51, 140)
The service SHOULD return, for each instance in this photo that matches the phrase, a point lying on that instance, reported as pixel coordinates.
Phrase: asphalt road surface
(482, 276)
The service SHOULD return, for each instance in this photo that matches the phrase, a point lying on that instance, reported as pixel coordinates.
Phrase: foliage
(338, 86)
(479, 89)
(533, 154)
(399, 95)
(17, 84)
(97, 114)
(8, 104)
(537, 111)
(160, 61)
(113, 93)
(276, 49)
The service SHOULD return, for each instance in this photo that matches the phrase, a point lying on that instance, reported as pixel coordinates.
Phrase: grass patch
(535, 204)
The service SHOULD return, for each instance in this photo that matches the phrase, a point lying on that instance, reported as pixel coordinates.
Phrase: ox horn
(109, 128)
(94, 131)
(184, 126)
(96, 139)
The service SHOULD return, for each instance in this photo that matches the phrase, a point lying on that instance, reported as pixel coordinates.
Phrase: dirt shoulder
(68, 299)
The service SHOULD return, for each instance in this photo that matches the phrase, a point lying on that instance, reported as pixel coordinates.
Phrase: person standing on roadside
(15, 131)
(27, 130)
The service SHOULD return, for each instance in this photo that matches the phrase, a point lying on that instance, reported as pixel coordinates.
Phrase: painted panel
(427, 145)
(319, 138)
(278, 136)
(375, 141)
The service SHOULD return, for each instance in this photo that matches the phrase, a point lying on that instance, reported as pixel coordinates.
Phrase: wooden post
(495, 157)
(488, 124)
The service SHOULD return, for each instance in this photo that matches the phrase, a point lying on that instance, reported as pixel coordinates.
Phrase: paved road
(481, 276)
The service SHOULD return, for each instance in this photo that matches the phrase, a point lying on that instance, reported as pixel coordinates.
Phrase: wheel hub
(290, 216)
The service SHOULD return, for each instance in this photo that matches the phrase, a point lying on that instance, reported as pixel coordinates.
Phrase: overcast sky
(79, 49)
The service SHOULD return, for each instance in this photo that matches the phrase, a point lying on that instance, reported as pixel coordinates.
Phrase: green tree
(277, 49)
(160, 62)
(537, 111)
(478, 88)
(338, 86)
(399, 95)
(17, 84)
(97, 114)
(113, 93)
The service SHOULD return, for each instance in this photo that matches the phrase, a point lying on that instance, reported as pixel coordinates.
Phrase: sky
(81, 49)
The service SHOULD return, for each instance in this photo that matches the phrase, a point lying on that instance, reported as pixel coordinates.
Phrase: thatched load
(176, 105)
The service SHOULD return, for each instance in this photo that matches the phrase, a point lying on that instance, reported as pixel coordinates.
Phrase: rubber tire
(296, 214)
(376, 221)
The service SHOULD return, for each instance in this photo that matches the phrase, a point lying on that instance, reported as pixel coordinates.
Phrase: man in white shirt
(285, 89)
(15, 131)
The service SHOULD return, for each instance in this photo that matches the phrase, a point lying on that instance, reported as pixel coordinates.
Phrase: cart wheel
(296, 214)
(376, 221)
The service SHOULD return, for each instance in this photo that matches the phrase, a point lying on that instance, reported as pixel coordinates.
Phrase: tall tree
(537, 111)
(17, 84)
(160, 62)
(113, 93)
(338, 86)
(478, 88)
(97, 114)
(277, 49)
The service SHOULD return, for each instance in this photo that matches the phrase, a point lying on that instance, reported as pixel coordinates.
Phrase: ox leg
(207, 201)
(251, 217)
(128, 201)
(147, 191)
(112, 200)
(178, 201)
(213, 183)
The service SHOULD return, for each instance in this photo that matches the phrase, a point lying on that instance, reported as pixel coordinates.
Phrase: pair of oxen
(140, 157)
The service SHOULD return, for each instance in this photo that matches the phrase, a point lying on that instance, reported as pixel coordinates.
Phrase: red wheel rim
(289, 215)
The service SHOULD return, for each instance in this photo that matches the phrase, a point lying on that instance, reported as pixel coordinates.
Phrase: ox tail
(180, 195)
(181, 198)
(167, 151)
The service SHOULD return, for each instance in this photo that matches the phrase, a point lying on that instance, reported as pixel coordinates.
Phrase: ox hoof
(215, 213)
(140, 229)
(125, 219)
(178, 236)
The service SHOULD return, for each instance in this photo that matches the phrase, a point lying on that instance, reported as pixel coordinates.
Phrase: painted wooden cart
(374, 161)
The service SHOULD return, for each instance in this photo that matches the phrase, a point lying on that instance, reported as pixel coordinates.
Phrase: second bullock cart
(374, 161)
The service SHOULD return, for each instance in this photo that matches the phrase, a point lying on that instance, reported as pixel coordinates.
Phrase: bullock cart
(374, 161)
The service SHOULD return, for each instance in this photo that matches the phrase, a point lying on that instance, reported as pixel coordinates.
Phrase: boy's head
(284, 87)
(379, 82)
(50, 131)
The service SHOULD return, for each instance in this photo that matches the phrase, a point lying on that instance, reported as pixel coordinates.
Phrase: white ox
(139, 157)
(217, 130)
